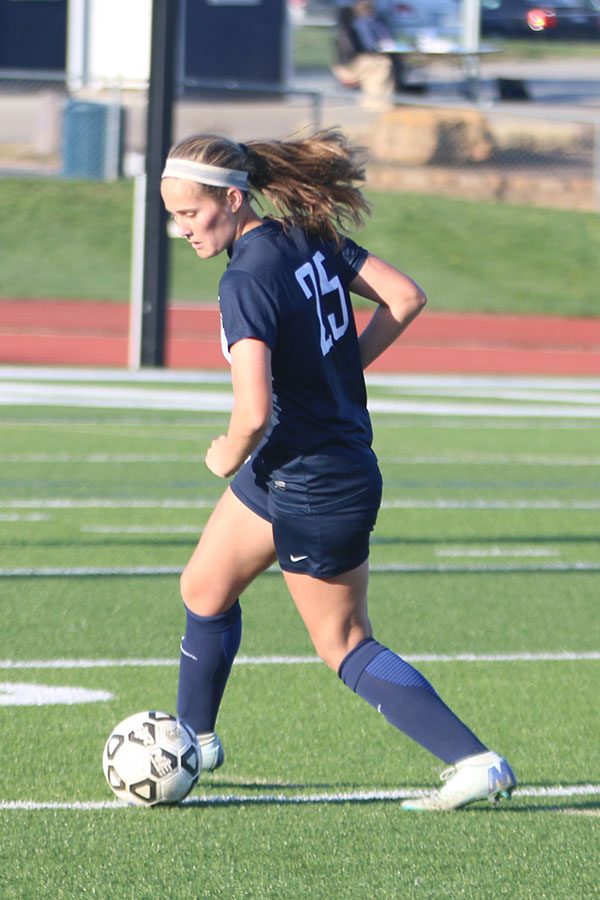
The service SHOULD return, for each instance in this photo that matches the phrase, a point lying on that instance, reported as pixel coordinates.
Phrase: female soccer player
(306, 486)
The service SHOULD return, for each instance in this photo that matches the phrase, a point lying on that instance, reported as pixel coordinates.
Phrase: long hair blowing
(311, 182)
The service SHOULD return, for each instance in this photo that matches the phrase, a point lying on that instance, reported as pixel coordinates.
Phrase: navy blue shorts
(322, 509)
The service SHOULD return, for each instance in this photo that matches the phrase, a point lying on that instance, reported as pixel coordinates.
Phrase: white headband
(203, 174)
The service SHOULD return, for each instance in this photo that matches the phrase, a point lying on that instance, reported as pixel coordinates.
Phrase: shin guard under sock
(408, 701)
(208, 649)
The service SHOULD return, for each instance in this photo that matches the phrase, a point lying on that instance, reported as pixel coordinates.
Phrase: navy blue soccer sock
(208, 649)
(408, 701)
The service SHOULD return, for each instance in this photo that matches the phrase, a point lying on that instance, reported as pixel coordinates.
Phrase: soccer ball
(151, 758)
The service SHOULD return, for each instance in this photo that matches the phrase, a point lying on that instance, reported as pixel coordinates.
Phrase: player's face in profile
(207, 225)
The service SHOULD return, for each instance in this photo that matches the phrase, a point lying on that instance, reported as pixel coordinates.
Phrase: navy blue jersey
(291, 291)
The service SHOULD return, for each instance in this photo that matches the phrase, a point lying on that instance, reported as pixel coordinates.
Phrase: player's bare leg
(334, 611)
(236, 546)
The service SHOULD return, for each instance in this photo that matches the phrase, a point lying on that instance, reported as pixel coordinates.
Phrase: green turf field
(485, 573)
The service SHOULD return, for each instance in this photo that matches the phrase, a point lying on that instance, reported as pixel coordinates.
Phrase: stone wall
(467, 153)
(570, 192)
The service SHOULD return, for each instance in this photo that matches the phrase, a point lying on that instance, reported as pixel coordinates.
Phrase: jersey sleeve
(247, 309)
(352, 258)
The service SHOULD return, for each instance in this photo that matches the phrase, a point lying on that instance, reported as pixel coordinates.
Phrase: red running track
(39, 332)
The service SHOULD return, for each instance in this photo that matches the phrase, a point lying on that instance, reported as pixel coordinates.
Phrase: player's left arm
(252, 402)
(399, 299)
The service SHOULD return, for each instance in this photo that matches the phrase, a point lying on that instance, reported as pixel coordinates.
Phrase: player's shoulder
(276, 248)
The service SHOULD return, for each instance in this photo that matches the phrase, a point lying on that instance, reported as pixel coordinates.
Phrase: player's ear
(235, 198)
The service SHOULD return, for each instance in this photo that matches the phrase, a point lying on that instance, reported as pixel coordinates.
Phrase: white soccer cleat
(211, 751)
(485, 776)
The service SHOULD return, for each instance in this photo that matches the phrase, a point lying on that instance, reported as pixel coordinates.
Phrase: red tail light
(539, 19)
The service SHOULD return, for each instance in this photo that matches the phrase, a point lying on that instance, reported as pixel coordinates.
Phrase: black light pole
(158, 141)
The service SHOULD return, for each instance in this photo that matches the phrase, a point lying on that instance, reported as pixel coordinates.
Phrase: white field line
(166, 376)
(117, 397)
(490, 459)
(76, 426)
(100, 458)
(553, 791)
(491, 504)
(140, 529)
(509, 551)
(26, 694)
(453, 424)
(24, 517)
(185, 429)
(133, 663)
(455, 552)
(492, 383)
(101, 503)
(146, 376)
(496, 552)
(375, 568)
(498, 393)
(113, 397)
(493, 410)
(208, 503)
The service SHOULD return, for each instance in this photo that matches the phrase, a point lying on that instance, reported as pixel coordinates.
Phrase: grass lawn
(67, 239)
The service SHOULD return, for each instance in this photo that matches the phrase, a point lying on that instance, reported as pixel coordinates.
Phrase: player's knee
(328, 655)
(332, 646)
(333, 649)
(201, 595)
(191, 588)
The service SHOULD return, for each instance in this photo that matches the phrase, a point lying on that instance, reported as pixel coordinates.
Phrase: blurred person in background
(361, 39)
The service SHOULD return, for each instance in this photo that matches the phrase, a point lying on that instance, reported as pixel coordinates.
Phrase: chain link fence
(46, 131)
(496, 153)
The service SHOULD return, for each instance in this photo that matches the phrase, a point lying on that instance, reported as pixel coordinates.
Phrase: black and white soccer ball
(150, 758)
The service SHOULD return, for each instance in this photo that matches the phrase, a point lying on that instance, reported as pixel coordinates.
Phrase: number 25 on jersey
(316, 284)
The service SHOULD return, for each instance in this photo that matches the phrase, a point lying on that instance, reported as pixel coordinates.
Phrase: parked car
(558, 19)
